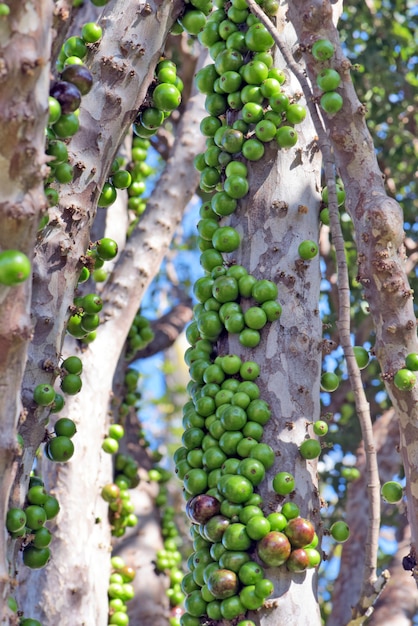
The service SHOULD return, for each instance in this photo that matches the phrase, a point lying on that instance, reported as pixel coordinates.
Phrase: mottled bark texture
(24, 79)
(378, 227)
(280, 212)
(80, 562)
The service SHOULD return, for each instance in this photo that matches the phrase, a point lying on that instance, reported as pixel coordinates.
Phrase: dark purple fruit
(201, 508)
(79, 76)
(67, 94)
(223, 583)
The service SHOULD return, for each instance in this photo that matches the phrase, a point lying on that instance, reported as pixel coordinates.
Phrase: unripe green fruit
(320, 428)
(107, 249)
(65, 427)
(14, 267)
(328, 79)
(283, 483)
(340, 531)
(392, 492)
(71, 384)
(73, 365)
(331, 102)
(411, 361)
(362, 356)
(59, 449)
(404, 379)
(329, 381)
(308, 249)
(35, 558)
(322, 50)
(44, 394)
(310, 449)
(15, 520)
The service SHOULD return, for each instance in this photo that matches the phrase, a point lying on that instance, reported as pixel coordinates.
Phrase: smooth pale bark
(281, 211)
(378, 226)
(24, 80)
(81, 570)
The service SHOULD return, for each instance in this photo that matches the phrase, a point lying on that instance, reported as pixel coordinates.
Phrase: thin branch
(361, 403)
(166, 329)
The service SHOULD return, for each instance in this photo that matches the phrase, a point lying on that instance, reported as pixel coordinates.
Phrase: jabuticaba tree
(275, 93)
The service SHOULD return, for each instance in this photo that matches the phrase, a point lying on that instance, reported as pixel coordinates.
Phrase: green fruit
(340, 531)
(54, 108)
(67, 125)
(65, 427)
(116, 431)
(320, 428)
(110, 445)
(264, 290)
(35, 558)
(91, 32)
(107, 249)
(286, 137)
(15, 520)
(331, 102)
(310, 449)
(107, 196)
(253, 149)
(121, 179)
(51, 507)
(75, 46)
(92, 303)
(329, 381)
(42, 538)
(226, 239)
(340, 194)
(295, 113)
(322, 50)
(362, 356)
(258, 38)
(392, 492)
(283, 483)
(278, 521)
(73, 365)
(60, 449)
(264, 588)
(64, 173)
(14, 267)
(71, 384)
(411, 361)
(290, 510)
(37, 495)
(257, 527)
(328, 79)
(404, 379)
(35, 516)
(308, 249)
(166, 97)
(44, 394)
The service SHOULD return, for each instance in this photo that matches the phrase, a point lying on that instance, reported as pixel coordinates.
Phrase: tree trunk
(279, 213)
(25, 40)
(86, 561)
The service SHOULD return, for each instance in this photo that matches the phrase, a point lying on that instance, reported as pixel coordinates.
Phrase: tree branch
(167, 329)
